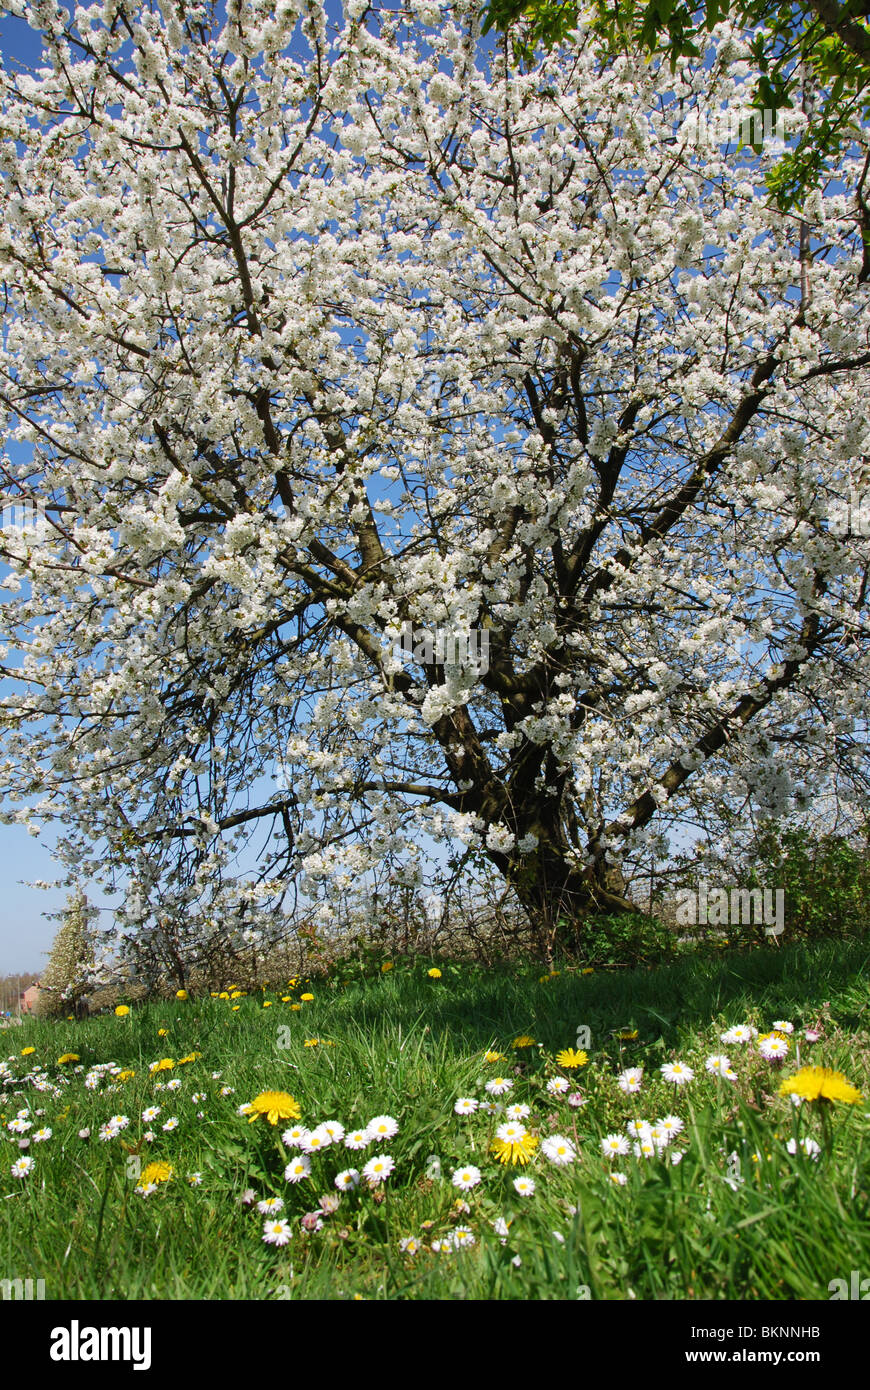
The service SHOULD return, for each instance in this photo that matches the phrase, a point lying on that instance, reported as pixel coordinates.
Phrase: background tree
(66, 978)
(315, 333)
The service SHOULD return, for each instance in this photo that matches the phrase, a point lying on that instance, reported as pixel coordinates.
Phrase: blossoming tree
(319, 332)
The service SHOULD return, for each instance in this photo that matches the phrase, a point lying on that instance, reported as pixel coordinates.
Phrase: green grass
(779, 1226)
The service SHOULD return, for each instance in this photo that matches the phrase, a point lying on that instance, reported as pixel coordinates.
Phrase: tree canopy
(321, 332)
(814, 55)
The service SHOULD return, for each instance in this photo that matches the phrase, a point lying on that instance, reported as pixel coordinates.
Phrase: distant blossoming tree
(316, 334)
(67, 975)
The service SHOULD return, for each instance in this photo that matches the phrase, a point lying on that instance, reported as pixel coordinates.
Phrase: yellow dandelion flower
(163, 1032)
(285, 998)
(294, 1008)
(523, 1041)
(434, 973)
(122, 1010)
(181, 994)
(68, 1057)
(312, 1042)
(307, 998)
(155, 1172)
(493, 1057)
(587, 971)
(267, 1003)
(26, 1051)
(519, 1152)
(275, 1105)
(236, 994)
(165, 1064)
(569, 1059)
(820, 1083)
(223, 994)
(126, 1075)
(627, 1035)
(387, 965)
(182, 1061)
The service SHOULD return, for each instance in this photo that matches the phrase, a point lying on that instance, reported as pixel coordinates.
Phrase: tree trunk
(563, 901)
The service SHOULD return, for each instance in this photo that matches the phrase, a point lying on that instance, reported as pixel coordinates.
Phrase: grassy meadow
(128, 1172)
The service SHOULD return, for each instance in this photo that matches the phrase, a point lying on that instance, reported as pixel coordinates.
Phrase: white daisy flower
(630, 1081)
(378, 1169)
(638, 1129)
(382, 1127)
(677, 1156)
(409, 1246)
(151, 1113)
(357, 1139)
(462, 1237)
(677, 1073)
(558, 1085)
(145, 1189)
(774, 1049)
(19, 1126)
(498, 1086)
(524, 1187)
(466, 1178)
(613, 1144)
(41, 1135)
(518, 1112)
(741, 1034)
(21, 1167)
(619, 1178)
(718, 1064)
(511, 1133)
(319, 1138)
(466, 1105)
(171, 1123)
(559, 1150)
(276, 1232)
(315, 1141)
(195, 1179)
(671, 1124)
(645, 1149)
(347, 1179)
(294, 1138)
(298, 1169)
(334, 1130)
(782, 1027)
(270, 1206)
